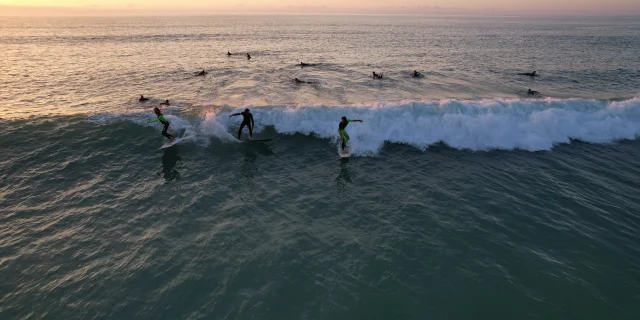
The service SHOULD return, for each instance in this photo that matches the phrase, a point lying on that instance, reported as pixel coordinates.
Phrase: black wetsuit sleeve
(235, 114)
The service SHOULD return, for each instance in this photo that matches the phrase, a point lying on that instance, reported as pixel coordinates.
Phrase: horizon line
(421, 10)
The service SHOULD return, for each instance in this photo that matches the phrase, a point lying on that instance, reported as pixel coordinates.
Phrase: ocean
(463, 197)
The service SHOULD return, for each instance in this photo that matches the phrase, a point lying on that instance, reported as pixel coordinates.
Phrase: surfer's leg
(345, 138)
(250, 131)
(164, 132)
(240, 130)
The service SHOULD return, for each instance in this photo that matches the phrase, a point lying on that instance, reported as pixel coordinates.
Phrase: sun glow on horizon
(108, 7)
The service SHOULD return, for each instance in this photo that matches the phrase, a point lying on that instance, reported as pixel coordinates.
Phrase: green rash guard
(341, 128)
(161, 119)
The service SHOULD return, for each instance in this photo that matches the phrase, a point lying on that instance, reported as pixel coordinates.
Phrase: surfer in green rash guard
(341, 130)
(165, 124)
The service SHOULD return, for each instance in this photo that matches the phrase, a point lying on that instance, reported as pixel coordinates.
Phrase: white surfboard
(344, 153)
(170, 143)
(176, 140)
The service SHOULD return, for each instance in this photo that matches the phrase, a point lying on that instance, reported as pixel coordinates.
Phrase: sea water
(464, 198)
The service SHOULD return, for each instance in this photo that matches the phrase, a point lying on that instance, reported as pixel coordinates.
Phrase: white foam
(474, 125)
(507, 124)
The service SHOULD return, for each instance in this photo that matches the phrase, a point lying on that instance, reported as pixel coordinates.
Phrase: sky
(197, 7)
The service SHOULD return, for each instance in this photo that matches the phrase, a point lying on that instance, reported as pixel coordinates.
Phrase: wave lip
(505, 124)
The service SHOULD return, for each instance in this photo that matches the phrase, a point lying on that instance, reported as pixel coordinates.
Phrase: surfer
(165, 103)
(248, 56)
(300, 81)
(416, 74)
(143, 99)
(228, 53)
(247, 120)
(533, 92)
(376, 76)
(530, 74)
(165, 124)
(302, 64)
(344, 137)
(201, 73)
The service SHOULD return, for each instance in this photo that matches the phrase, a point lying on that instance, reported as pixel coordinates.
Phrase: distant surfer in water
(247, 120)
(143, 99)
(416, 74)
(344, 137)
(376, 76)
(201, 73)
(165, 124)
(530, 74)
(533, 92)
(302, 64)
(300, 81)
(166, 103)
(248, 56)
(228, 53)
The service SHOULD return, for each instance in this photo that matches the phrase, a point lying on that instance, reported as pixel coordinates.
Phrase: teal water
(463, 198)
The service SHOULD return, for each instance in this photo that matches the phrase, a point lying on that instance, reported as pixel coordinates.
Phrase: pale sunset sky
(191, 7)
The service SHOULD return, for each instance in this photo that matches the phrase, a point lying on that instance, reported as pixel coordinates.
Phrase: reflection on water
(169, 160)
(251, 153)
(344, 177)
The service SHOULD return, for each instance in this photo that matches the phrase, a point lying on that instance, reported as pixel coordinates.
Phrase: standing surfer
(247, 120)
(165, 124)
(344, 137)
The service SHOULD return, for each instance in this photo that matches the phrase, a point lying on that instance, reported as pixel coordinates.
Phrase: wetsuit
(343, 133)
(165, 126)
(246, 121)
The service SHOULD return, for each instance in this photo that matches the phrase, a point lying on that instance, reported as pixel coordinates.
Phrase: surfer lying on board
(530, 74)
(344, 137)
(165, 123)
(246, 121)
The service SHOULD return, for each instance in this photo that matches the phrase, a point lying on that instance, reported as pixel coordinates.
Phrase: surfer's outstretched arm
(356, 121)
(235, 114)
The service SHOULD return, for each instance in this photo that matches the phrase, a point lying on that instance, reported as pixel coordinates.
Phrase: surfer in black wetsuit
(300, 81)
(341, 130)
(201, 73)
(143, 99)
(248, 56)
(246, 121)
(228, 53)
(533, 92)
(376, 76)
(416, 73)
(530, 74)
(166, 103)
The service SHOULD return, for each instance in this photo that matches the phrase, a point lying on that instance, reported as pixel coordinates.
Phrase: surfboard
(257, 140)
(170, 143)
(175, 141)
(344, 153)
